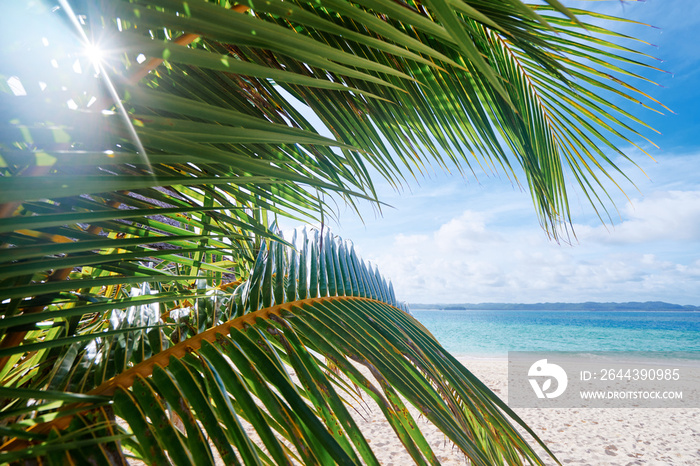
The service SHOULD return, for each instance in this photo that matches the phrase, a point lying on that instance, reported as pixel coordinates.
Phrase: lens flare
(94, 53)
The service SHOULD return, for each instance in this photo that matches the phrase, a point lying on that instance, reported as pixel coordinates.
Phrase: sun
(95, 54)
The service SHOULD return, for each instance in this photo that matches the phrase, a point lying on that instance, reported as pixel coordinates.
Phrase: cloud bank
(650, 255)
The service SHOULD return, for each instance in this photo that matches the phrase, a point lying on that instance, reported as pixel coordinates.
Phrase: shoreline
(671, 358)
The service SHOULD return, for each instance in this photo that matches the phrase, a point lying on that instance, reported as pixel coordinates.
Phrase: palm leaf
(239, 373)
(467, 72)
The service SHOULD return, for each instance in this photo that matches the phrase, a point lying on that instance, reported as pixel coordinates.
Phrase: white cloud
(466, 232)
(663, 216)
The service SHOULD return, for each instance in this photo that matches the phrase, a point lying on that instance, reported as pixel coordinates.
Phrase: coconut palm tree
(150, 307)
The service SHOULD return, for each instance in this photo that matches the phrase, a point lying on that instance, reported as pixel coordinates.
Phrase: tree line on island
(587, 306)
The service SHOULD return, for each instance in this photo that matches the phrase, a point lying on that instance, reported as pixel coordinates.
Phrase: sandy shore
(576, 436)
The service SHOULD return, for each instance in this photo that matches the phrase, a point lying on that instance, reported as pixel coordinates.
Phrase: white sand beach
(648, 436)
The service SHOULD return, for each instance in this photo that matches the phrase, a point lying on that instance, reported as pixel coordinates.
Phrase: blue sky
(449, 239)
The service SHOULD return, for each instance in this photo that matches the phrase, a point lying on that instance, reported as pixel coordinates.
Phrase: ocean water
(494, 333)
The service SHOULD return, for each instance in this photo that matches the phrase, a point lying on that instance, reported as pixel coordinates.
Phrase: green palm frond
(397, 84)
(240, 371)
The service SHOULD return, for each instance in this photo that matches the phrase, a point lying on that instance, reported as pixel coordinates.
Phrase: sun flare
(95, 54)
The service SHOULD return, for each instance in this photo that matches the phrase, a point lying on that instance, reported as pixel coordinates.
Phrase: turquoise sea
(493, 333)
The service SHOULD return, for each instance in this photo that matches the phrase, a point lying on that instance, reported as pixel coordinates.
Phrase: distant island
(588, 306)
